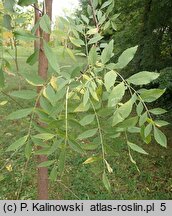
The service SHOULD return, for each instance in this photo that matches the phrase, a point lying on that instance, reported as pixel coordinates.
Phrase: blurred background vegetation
(147, 23)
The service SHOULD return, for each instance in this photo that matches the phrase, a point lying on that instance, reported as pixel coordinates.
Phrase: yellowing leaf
(3, 103)
(90, 160)
(92, 31)
(160, 137)
(9, 167)
(110, 79)
(109, 168)
(53, 82)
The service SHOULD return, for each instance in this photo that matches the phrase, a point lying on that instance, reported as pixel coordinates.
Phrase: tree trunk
(42, 71)
(37, 33)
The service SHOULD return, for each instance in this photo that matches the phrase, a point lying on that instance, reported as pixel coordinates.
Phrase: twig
(94, 15)
(100, 134)
(37, 9)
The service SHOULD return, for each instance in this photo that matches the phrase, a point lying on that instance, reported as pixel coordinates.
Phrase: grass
(82, 181)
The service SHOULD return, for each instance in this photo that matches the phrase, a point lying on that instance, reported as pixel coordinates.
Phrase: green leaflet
(125, 109)
(105, 4)
(87, 120)
(70, 53)
(46, 163)
(143, 78)
(107, 25)
(90, 147)
(161, 123)
(26, 2)
(133, 130)
(76, 147)
(106, 182)
(45, 104)
(17, 144)
(7, 22)
(126, 57)
(85, 19)
(143, 118)
(151, 94)
(86, 97)
(52, 58)
(9, 5)
(136, 148)
(93, 56)
(110, 79)
(95, 39)
(44, 136)
(139, 108)
(45, 23)
(53, 174)
(160, 137)
(33, 79)
(148, 130)
(24, 94)
(117, 118)
(93, 94)
(31, 60)
(76, 42)
(62, 159)
(49, 93)
(24, 35)
(157, 111)
(87, 134)
(116, 94)
(81, 108)
(107, 52)
(28, 150)
(92, 31)
(95, 3)
(19, 114)
(127, 123)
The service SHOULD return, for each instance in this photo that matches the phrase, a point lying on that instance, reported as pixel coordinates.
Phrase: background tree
(85, 107)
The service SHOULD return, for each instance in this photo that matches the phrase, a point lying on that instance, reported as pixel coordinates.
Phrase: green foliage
(26, 2)
(143, 78)
(19, 114)
(87, 107)
(165, 79)
(45, 23)
(52, 59)
(17, 144)
(24, 94)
